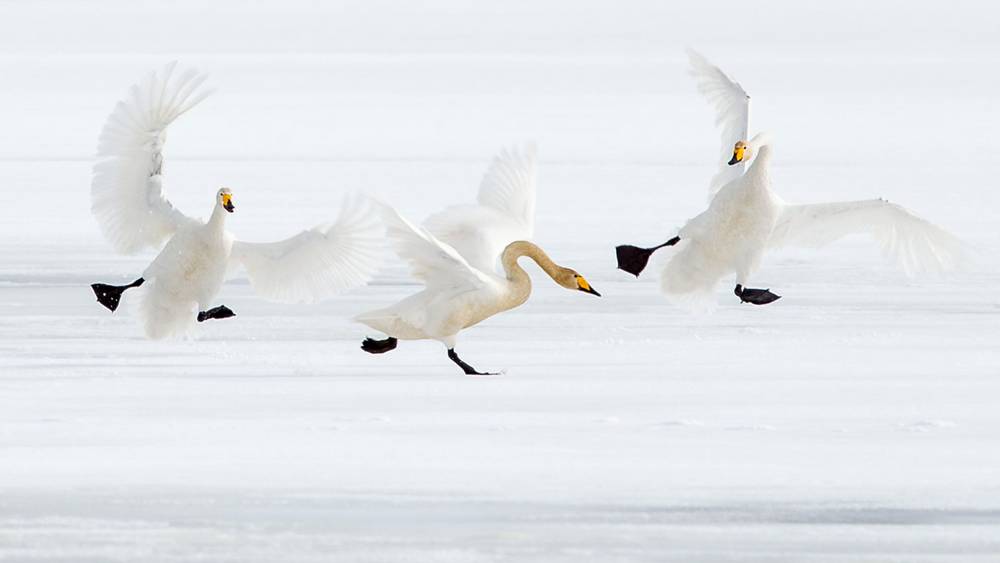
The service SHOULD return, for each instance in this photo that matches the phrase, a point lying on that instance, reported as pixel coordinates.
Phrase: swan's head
(741, 151)
(744, 150)
(572, 280)
(225, 199)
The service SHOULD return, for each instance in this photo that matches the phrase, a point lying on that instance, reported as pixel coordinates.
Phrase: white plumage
(184, 278)
(454, 294)
(745, 218)
(456, 254)
(732, 115)
(504, 212)
(126, 191)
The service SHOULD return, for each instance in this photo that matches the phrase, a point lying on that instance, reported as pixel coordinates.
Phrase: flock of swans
(455, 252)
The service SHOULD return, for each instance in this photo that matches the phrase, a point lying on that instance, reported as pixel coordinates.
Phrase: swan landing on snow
(745, 218)
(456, 255)
(184, 278)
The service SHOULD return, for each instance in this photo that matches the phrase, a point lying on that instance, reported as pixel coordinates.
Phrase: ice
(855, 419)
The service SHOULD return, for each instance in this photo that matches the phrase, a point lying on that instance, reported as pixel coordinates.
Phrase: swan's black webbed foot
(633, 259)
(111, 295)
(755, 296)
(220, 312)
(373, 346)
(469, 370)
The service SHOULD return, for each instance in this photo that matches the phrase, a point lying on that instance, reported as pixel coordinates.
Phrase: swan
(455, 256)
(457, 295)
(183, 279)
(745, 218)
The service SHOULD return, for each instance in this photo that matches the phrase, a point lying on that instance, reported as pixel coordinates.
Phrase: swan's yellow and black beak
(584, 286)
(227, 203)
(738, 153)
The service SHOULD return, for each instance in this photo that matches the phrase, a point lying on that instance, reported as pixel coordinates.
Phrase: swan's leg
(373, 346)
(633, 259)
(755, 296)
(111, 295)
(220, 312)
(469, 370)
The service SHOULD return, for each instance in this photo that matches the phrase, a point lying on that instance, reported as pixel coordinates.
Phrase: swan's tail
(164, 314)
(689, 279)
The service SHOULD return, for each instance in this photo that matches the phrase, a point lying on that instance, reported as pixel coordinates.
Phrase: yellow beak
(227, 203)
(584, 286)
(737, 155)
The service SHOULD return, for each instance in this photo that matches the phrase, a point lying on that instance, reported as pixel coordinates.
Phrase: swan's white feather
(452, 284)
(127, 187)
(509, 184)
(185, 277)
(730, 236)
(316, 263)
(914, 244)
(478, 233)
(732, 113)
(505, 211)
(431, 260)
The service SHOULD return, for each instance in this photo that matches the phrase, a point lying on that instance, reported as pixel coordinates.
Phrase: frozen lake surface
(855, 419)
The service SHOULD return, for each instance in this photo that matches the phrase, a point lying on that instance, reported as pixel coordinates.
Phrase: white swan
(745, 218)
(186, 275)
(462, 287)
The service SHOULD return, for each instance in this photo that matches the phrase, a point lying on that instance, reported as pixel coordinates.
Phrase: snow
(855, 419)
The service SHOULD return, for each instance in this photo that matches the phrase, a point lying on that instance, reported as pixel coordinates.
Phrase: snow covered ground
(855, 419)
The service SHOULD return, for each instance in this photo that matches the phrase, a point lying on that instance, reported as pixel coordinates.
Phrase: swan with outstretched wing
(745, 217)
(182, 281)
(456, 294)
(455, 255)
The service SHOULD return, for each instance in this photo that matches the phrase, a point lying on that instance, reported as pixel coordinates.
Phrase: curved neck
(517, 249)
(763, 155)
(761, 143)
(760, 140)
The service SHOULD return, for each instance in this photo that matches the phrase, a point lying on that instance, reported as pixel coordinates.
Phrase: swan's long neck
(519, 279)
(760, 166)
(218, 219)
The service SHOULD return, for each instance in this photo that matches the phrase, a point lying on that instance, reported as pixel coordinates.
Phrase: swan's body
(458, 295)
(730, 236)
(745, 217)
(185, 277)
(462, 287)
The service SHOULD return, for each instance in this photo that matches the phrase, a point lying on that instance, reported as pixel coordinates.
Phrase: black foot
(469, 370)
(633, 259)
(373, 346)
(755, 296)
(111, 295)
(220, 312)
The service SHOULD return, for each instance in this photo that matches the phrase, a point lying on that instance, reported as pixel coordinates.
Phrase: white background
(857, 417)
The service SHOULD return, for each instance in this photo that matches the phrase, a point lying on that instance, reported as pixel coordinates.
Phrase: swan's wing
(509, 185)
(477, 232)
(431, 260)
(915, 244)
(126, 190)
(505, 212)
(317, 263)
(732, 113)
